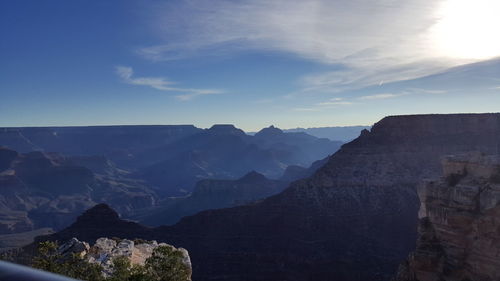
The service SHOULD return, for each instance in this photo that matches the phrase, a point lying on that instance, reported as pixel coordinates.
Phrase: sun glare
(468, 29)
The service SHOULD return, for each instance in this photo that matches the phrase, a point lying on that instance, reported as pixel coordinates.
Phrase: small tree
(77, 267)
(166, 264)
(48, 259)
(121, 269)
(124, 271)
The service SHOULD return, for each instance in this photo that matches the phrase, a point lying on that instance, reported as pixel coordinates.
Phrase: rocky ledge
(105, 250)
(459, 232)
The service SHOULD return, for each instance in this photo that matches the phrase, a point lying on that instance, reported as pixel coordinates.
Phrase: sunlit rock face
(459, 237)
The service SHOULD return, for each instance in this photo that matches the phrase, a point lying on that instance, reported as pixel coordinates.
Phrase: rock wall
(459, 235)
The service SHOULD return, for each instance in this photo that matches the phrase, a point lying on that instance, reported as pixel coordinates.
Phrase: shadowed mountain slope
(213, 194)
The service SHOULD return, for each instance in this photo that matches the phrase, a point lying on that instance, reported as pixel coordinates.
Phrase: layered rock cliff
(354, 219)
(459, 233)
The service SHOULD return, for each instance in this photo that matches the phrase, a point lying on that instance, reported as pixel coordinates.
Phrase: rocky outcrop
(459, 237)
(106, 250)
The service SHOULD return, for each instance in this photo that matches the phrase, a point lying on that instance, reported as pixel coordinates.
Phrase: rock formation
(105, 250)
(213, 194)
(49, 190)
(459, 233)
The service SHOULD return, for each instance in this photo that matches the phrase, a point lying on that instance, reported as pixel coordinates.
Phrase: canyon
(355, 218)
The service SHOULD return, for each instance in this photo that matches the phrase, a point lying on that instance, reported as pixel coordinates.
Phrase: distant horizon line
(179, 125)
(247, 131)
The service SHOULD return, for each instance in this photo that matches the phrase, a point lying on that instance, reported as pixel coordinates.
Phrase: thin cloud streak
(407, 92)
(330, 103)
(160, 83)
(306, 109)
(338, 101)
(382, 96)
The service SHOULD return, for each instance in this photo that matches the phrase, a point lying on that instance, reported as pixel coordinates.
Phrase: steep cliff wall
(459, 235)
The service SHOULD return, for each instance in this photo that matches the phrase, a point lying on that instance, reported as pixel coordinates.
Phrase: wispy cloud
(382, 96)
(426, 91)
(407, 92)
(264, 101)
(307, 109)
(321, 106)
(369, 41)
(161, 83)
(339, 101)
(335, 101)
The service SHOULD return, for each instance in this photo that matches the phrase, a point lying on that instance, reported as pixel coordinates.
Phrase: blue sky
(291, 63)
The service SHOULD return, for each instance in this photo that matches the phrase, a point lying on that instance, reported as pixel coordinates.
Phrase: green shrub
(74, 266)
(165, 264)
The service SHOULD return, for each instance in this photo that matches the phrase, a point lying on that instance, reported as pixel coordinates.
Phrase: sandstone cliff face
(459, 235)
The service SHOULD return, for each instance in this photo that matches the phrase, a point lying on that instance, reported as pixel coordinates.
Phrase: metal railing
(15, 272)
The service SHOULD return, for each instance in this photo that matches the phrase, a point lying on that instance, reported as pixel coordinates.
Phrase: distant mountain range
(340, 133)
(345, 134)
(225, 152)
(50, 175)
(171, 159)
